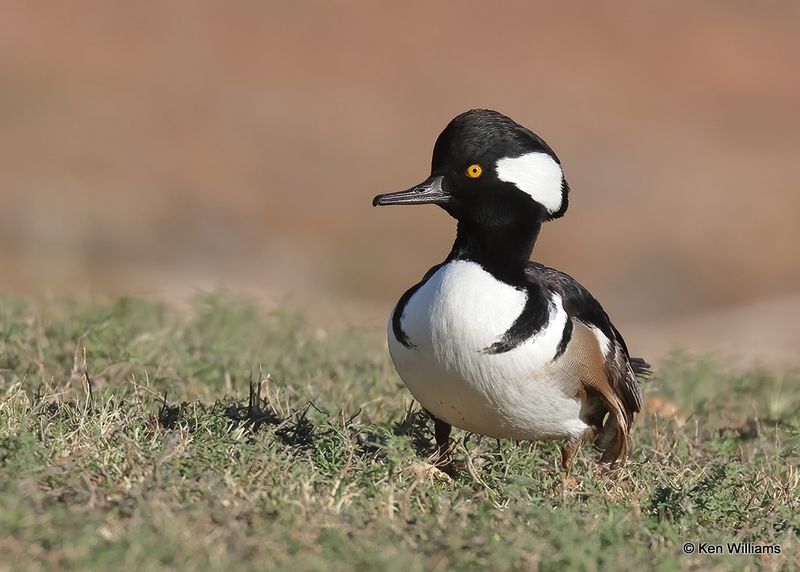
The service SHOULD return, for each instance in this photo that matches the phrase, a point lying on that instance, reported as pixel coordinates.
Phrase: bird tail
(640, 367)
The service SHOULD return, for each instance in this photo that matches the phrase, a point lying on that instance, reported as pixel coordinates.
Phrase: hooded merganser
(489, 341)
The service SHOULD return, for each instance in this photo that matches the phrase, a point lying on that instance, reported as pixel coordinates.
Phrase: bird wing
(621, 370)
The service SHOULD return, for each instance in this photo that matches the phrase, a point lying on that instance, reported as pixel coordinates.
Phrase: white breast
(459, 312)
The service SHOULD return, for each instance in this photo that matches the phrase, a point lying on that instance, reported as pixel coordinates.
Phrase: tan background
(167, 148)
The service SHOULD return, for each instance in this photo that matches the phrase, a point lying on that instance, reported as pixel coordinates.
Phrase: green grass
(327, 471)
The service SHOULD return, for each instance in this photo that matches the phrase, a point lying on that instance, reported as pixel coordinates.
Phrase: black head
(490, 170)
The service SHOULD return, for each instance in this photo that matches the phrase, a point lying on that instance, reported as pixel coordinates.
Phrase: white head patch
(536, 174)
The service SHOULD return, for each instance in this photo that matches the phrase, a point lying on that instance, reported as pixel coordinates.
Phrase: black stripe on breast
(535, 314)
(397, 315)
(565, 338)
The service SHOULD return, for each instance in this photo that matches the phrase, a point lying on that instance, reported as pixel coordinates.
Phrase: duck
(491, 342)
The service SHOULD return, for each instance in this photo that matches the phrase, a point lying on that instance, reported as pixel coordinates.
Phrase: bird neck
(503, 250)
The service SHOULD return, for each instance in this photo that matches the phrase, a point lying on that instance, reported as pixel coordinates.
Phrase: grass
(136, 436)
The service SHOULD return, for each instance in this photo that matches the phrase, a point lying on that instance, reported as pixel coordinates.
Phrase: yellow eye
(474, 171)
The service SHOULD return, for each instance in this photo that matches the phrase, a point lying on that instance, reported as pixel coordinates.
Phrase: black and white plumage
(495, 344)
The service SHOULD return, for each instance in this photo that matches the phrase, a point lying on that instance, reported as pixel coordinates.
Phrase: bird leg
(441, 431)
(568, 451)
(572, 445)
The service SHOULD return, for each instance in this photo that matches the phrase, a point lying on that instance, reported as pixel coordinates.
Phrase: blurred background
(160, 149)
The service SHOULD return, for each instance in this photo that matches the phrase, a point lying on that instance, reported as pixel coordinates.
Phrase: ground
(216, 437)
